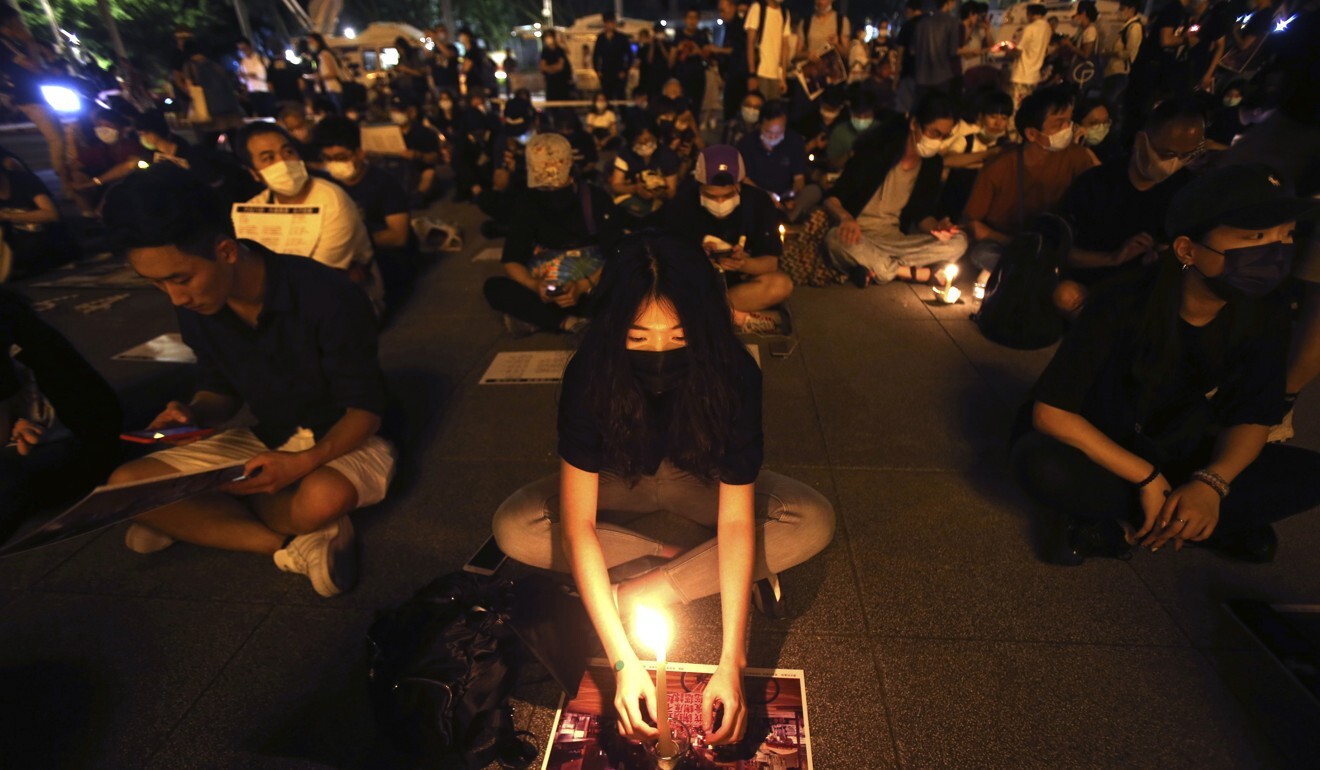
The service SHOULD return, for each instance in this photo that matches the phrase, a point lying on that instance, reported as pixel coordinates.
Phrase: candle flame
(782, 230)
(950, 273)
(653, 628)
(158, 435)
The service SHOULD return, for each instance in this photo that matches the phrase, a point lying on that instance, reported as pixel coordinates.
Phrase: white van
(373, 48)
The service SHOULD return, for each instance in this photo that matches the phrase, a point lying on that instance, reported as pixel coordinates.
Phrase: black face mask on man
(659, 371)
(1252, 271)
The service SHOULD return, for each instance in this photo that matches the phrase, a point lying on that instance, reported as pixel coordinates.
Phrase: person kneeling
(661, 412)
(293, 340)
(733, 221)
(1159, 400)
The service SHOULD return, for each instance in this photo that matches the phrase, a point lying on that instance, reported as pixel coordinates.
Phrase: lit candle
(951, 295)
(653, 628)
(782, 231)
(950, 274)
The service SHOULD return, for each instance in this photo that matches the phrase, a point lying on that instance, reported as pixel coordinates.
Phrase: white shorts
(369, 468)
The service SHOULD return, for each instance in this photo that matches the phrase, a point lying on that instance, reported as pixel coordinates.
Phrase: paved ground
(930, 633)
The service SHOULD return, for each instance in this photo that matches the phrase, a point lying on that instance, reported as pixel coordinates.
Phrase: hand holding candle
(653, 628)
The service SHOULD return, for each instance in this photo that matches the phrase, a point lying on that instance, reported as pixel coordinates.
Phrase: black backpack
(1018, 310)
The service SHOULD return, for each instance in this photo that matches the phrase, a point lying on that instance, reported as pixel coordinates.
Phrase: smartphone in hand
(176, 433)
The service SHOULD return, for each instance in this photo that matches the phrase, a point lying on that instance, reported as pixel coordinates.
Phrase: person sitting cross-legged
(887, 200)
(737, 226)
(294, 341)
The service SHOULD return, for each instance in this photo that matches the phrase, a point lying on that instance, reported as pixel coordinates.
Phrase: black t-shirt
(1106, 209)
(905, 39)
(378, 195)
(1173, 16)
(23, 191)
(422, 138)
(693, 66)
(285, 80)
(1229, 372)
(755, 218)
(561, 82)
(557, 219)
(582, 441)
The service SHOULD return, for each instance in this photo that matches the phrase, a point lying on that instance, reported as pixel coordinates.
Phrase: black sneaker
(1253, 546)
(768, 598)
(1077, 540)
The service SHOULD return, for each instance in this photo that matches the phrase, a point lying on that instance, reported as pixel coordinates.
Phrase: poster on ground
(165, 349)
(778, 734)
(113, 503)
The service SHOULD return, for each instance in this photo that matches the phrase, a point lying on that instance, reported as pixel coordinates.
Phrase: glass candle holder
(682, 737)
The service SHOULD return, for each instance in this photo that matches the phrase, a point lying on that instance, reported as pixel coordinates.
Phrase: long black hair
(654, 268)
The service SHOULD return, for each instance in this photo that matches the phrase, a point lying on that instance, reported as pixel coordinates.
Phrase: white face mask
(750, 114)
(286, 177)
(342, 170)
(721, 209)
(1147, 163)
(771, 140)
(645, 150)
(1232, 101)
(1096, 134)
(927, 147)
(1059, 140)
(107, 134)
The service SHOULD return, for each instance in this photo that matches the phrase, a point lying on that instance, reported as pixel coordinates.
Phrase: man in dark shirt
(423, 147)
(556, 245)
(612, 58)
(730, 52)
(286, 80)
(1117, 209)
(737, 226)
(291, 339)
(905, 41)
(776, 160)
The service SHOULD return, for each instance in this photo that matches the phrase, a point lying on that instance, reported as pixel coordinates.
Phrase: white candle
(951, 295)
(653, 628)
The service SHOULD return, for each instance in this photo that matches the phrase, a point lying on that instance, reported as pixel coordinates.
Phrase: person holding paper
(292, 340)
(342, 241)
(661, 411)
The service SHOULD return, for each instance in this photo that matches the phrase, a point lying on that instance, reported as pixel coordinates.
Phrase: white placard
(527, 367)
(166, 349)
(282, 229)
(491, 254)
(383, 140)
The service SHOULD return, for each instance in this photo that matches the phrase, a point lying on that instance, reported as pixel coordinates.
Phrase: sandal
(860, 276)
(911, 275)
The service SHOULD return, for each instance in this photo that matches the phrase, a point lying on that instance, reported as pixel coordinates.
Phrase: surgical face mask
(148, 146)
(829, 115)
(645, 150)
(107, 134)
(1148, 165)
(659, 372)
(771, 140)
(1232, 101)
(286, 177)
(342, 170)
(861, 124)
(928, 147)
(1061, 139)
(398, 118)
(1252, 271)
(1097, 133)
(721, 209)
(750, 114)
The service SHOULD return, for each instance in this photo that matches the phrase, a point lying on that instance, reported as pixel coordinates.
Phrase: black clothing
(286, 80)
(311, 356)
(35, 247)
(653, 65)
(16, 81)
(612, 58)
(444, 67)
(558, 85)
(875, 153)
(423, 139)
(905, 39)
(379, 195)
(556, 219)
(691, 70)
(582, 441)
(756, 218)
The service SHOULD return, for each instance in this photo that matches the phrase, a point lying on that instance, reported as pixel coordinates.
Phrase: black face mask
(659, 372)
(1252, 271)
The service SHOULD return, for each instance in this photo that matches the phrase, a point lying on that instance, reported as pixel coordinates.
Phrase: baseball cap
(719, 164)
(1248, 196)
(549, 161)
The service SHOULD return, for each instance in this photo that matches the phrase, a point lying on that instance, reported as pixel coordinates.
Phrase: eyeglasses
(1170, 155)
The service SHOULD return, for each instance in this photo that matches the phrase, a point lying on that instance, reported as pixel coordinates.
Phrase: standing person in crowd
(746, 122)
(687, 60)
(286, 81)
(730, 55)
(1157, 71)
(222, 103)
(904, 41)
(291, 340)
(556, 67)
(1209, 29)
(661, 411)
(645, 174)
(612, 58)
(935, 49)
(48, 389)
(478, 72)
(1117, 209)
(330, 75)
(1084, 44)
(252, 72)
(1123, 53)
(776, 160)
(976, 38)
(343, 242)
(408, 76)
(887, 201)
(824, 30)
(1029, 56)
(769, 32)
(444, 61)
(1015, 187)
(21, 70)
(381, 202)
(564, 232)
(1194, 357)
(218, 169)
(652, 60)
(736, 225)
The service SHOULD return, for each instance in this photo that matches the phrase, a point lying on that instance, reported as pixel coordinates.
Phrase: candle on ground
(653, 628)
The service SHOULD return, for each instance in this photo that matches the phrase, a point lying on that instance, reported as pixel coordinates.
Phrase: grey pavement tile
(92, 683)
(1010, 372)
(1000, 704)
(23, 570)
(294, 695)
(1285, 714)
(883, 349)
(948, 555)
(893, 300)
(792, 430)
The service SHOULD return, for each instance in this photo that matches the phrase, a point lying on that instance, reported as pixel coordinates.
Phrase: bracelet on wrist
(1154, 474)
(1213, 480)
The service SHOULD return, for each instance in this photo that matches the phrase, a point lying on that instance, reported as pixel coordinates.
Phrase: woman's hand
(26, 435)
(726, 689)
(631, 685)
(1153, 497)
(1191, 513)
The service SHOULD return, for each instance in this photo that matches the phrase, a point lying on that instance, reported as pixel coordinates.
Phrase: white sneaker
(326, 557)
(143, 539)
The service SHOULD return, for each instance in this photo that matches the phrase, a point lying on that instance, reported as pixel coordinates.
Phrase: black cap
(1249, 196)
